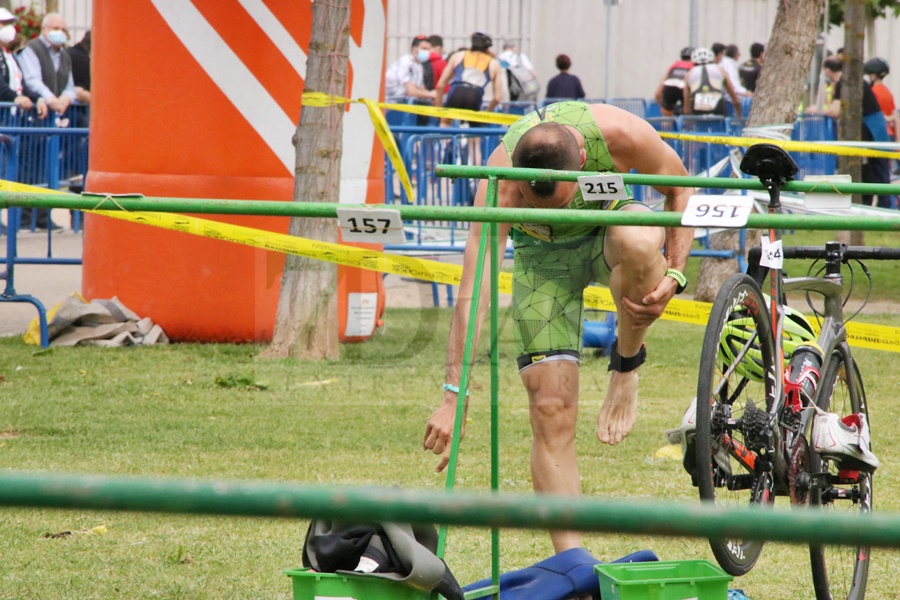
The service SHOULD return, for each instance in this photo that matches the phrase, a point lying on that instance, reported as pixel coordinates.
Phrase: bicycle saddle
(769, 163)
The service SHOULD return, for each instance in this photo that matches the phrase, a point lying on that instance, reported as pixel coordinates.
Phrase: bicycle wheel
(738, 354)
(840, 572)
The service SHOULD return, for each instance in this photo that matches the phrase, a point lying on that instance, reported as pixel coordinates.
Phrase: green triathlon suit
(553, 264)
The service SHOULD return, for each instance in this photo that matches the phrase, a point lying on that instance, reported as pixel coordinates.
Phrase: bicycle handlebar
(820, 252)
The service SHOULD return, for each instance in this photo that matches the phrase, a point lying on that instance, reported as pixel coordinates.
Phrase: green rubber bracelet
(679, 278)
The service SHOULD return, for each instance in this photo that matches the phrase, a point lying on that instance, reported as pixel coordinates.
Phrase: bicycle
(755, 442)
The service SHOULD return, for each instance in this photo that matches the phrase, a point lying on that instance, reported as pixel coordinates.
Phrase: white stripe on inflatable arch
(368, 71)
(276, 32)
(235, 80)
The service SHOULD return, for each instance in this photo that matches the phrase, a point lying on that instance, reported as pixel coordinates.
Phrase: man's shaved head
(547, 146)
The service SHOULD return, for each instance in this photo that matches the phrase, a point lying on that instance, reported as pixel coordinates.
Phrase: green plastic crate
(311, 585)
(664, 580)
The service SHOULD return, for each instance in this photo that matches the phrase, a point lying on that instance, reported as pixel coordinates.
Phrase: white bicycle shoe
(846, 440)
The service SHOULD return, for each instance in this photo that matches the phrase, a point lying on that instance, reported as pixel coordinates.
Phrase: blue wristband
(453, 388)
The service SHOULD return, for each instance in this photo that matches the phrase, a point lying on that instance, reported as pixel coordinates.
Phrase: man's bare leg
(553, 406)
(633, 253)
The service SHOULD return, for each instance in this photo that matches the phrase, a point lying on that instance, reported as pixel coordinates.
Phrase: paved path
(48, 283)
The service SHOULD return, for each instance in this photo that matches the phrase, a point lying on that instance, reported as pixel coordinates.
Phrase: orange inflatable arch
(200, 100)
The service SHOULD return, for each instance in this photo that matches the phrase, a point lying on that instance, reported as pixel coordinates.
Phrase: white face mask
(7, 34)
(57, 37)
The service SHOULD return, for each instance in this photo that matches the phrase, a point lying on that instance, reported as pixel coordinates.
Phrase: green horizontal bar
(732, 183)
(434, 213)
(368, 504)
(489, 590)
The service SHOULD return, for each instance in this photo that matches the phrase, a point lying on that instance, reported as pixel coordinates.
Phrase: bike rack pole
(519, 510)
(443, 213)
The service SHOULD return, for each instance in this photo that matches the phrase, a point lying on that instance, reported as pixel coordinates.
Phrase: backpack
(473, 70)
(707, 100)
(522, 84)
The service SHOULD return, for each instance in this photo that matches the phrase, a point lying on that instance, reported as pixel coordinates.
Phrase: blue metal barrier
(635, 106)
(646, 193)
(49, 156)
(810, 128)
(700, 156)
(515, 107)
(44, 157)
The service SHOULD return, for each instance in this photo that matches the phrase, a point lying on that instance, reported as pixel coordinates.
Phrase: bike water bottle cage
(625, 364)
(769, 163)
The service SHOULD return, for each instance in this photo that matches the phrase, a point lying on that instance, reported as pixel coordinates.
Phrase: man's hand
(439, 432)
(42, 109)
(64, 102)
(24, 102)
(651, 306)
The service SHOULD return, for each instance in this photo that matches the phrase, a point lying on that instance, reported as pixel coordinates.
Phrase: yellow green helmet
(740, 329)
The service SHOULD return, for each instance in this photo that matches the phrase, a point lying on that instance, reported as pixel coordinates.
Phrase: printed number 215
(369, 225)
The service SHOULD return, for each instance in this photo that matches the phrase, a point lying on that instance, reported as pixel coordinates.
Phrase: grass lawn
(186, 411)
(171, 411)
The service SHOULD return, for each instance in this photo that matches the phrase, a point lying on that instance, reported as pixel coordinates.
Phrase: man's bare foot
(619, 410)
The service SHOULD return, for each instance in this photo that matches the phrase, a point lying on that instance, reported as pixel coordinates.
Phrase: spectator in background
(468, 74)
(47, 69)
(512, 57)
(47, 66)
(749, 71)
(565, 85)
(670, 91)
(877, 69)
(728, 61)
(12, 82)
(404, 78)
(874, 129)
(436, 62)
(705, 86)
(80, 54)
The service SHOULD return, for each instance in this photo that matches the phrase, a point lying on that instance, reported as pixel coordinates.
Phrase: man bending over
(553, 264)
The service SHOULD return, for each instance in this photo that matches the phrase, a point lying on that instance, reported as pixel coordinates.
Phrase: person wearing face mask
(403, 79)
(47, 65)
(12, 83)
(47, 69)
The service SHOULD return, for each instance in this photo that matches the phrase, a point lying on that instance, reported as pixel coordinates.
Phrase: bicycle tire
(729, 481)
(840, 572)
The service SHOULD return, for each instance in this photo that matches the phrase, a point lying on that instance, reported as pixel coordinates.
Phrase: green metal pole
(464, 378)
(373, 504)
(444, 213)
(495, 377)
(734, 183)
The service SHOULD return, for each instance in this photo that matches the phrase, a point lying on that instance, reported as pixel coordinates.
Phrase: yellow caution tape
(383, 131)
(789, 145)
(320, 99)
(877, 337)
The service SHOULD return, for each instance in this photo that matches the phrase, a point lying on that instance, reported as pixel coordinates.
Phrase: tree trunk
(778, 93)
(850, 124)
(306, 322)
